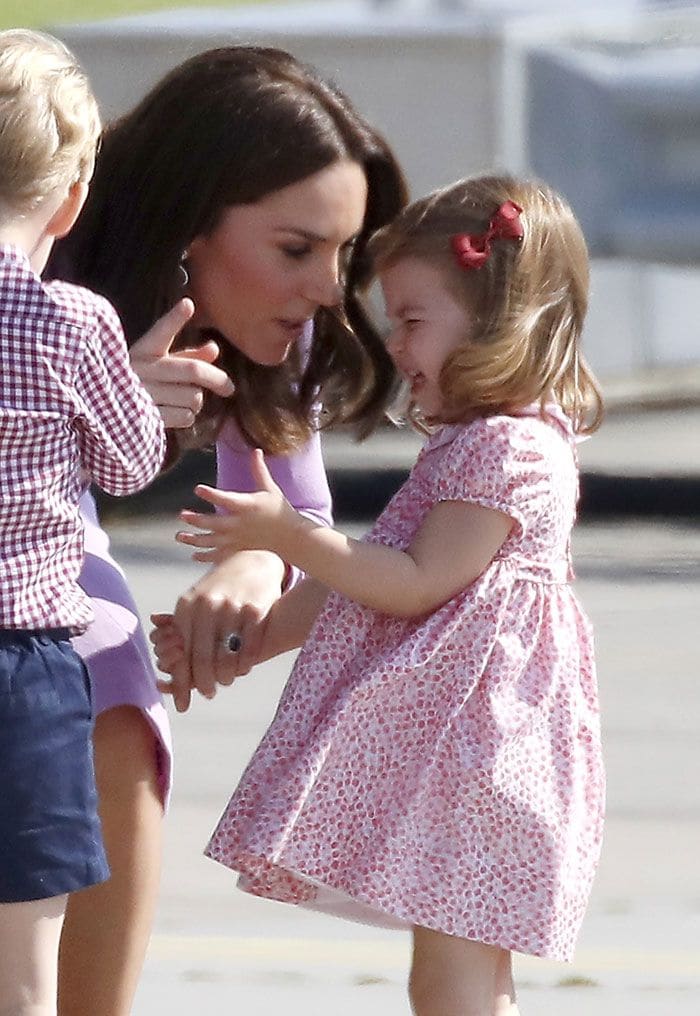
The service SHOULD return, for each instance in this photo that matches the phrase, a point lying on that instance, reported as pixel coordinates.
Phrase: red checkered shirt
(71, 408)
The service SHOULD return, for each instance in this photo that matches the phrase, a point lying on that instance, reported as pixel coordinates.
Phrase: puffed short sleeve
(499, 462)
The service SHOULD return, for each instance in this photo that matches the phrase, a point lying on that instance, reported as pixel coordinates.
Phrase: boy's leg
(29, 935)
(453, 976)
(108, 926)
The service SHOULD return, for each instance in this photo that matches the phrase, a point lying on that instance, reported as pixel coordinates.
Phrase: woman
(246, 183)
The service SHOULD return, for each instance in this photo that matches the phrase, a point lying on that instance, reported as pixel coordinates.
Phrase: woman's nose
(325, 288)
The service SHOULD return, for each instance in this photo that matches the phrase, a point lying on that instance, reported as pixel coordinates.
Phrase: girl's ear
(61, 222)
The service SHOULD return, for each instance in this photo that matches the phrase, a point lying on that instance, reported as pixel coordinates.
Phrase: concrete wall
(436, 94)
(453, 95)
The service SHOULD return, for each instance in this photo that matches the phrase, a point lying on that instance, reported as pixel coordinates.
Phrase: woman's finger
(206, 641)
(180, 687)
(166, 393)
(251, 627)
(159, 338)
(208, 352)
(186, 371)
(175, 418)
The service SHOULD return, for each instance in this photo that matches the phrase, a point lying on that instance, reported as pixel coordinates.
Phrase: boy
(71, 410)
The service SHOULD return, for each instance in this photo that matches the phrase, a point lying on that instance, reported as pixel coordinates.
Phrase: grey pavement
(217, 951)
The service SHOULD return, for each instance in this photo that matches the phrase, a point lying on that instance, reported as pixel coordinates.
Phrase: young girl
(435, 760)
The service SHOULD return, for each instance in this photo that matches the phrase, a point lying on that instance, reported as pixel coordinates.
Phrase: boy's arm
(455, 543)
(120, 430)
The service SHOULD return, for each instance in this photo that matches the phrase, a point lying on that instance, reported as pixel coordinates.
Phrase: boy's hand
(168, 647)
(258, 521)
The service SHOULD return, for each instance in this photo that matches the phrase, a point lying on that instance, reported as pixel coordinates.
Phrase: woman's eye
(296, 253)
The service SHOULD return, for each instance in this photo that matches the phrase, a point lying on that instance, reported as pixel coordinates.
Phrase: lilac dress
(115, 647)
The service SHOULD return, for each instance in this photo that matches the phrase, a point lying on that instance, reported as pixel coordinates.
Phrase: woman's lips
(292, 328)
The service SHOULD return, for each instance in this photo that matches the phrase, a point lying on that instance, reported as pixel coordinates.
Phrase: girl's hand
(261, 520)
(233, 598)
(175, 380)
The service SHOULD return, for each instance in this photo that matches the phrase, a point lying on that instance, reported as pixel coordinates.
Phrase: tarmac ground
(217, 951)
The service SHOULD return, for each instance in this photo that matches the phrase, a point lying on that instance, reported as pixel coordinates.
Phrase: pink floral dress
(443, 770)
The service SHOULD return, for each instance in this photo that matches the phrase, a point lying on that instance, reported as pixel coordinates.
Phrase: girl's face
(265, 268)
(427, 324)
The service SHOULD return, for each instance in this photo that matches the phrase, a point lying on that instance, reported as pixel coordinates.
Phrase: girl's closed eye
(407, 327)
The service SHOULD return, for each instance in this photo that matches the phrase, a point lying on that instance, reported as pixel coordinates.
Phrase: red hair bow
(472, 249)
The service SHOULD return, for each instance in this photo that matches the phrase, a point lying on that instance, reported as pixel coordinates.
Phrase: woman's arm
(455, 543)
(286, 627)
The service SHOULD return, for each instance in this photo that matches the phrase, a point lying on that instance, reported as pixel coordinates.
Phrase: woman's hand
(234, 598)
(175, 380)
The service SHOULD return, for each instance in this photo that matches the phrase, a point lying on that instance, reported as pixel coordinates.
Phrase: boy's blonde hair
(527, 301)
(49, 121)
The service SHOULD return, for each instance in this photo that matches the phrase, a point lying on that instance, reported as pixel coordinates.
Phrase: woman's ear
(61, 222)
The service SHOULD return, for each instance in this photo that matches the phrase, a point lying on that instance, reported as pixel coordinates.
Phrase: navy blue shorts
(50, 834)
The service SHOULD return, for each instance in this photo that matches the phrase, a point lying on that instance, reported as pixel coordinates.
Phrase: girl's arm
(291, 618)
(237, 594)
(455, 543)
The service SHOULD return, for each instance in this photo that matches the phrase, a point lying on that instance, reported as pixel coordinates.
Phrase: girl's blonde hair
(49, 121)
(527, 301)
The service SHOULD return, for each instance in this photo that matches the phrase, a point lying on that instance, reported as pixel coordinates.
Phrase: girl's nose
(393, 342)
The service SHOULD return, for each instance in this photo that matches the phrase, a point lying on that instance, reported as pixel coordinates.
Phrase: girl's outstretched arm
(455, 543)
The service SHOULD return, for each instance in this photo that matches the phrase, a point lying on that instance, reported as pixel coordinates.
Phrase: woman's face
(266, 268)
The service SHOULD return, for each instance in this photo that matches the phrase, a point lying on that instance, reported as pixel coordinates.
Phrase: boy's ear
(61, 222)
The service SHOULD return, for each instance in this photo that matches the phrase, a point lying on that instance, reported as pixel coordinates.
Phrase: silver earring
(182, 269)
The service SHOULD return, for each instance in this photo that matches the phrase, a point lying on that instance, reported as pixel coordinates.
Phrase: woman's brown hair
(228, 127)
(527, 302)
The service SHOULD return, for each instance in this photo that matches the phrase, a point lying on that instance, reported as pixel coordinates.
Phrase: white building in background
(601, 98)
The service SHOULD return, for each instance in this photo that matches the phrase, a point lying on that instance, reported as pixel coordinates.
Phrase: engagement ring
(233, 642)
